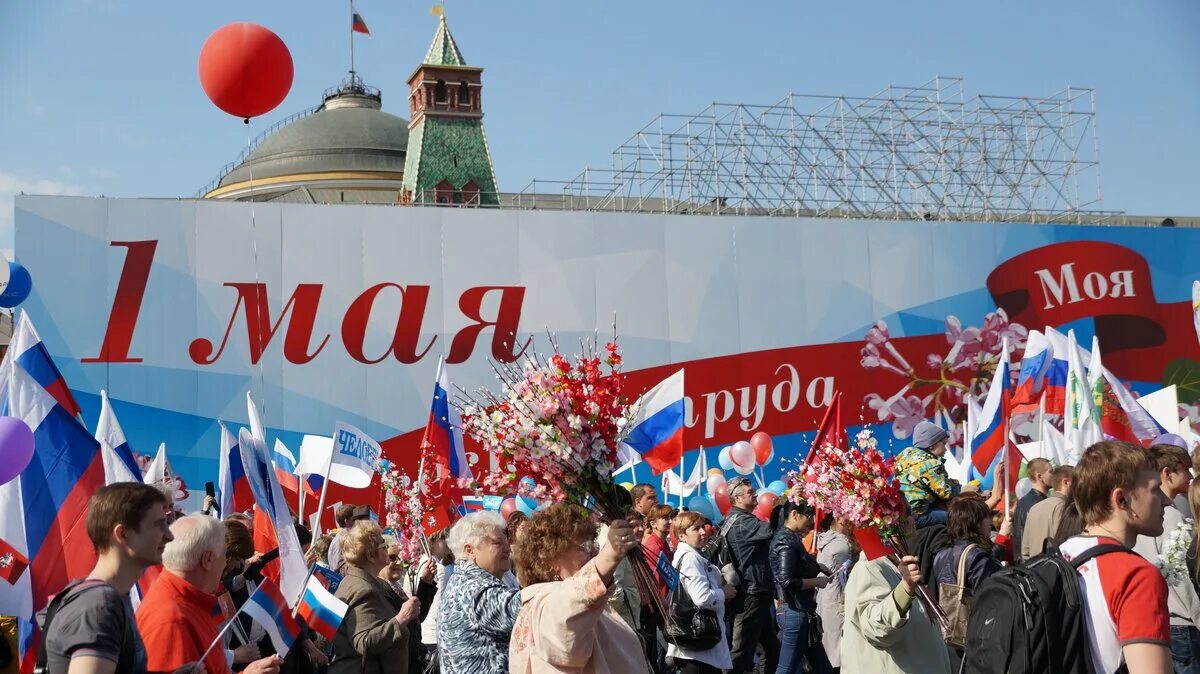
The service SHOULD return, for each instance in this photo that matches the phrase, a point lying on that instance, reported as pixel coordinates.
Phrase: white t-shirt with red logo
(1126, 601)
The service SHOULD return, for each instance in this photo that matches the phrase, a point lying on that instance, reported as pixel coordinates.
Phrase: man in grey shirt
(93, 630)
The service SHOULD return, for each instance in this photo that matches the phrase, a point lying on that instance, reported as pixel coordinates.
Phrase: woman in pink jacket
(565, 623)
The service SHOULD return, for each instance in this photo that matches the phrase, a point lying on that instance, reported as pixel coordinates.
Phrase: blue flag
(666, 572)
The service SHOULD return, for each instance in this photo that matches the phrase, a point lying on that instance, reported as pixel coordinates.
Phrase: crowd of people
(560, 592)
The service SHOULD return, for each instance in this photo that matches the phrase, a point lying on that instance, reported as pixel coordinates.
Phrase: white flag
(159, 469)
(1080, 425)
(354, 456)
(119, 464)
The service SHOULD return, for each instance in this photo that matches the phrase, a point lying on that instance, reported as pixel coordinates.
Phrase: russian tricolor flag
(1032, 377)
(272, 516)
(286, 470)
(1056, 371)
(992, 434)
(358, 25)
(119, 464)
(656, 432)
(267, 607)
(42, 513)
(443, 434)
(233, 489)
(35, 360)
(322, 612)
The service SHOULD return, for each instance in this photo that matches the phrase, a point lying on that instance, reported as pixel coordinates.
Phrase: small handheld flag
(328, 578)
(12, 563)
(656, 431)
(668, 574)
(268, 608)
(322, 611)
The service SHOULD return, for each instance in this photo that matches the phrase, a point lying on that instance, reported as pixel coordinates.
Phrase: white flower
(1172, 561)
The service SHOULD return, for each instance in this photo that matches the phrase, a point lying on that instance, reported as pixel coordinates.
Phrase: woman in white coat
(702, 581)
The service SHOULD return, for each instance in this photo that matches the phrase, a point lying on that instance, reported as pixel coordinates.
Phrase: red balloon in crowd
(763, 513)
(507, 507)
(766, 500)
(721, 496)
(245, 69)
(762, 444)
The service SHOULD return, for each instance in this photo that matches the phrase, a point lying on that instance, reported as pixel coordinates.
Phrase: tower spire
(444, 51)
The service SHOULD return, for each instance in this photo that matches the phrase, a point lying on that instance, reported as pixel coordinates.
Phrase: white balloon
(715, 481)
(1024, 486)
(742, 454)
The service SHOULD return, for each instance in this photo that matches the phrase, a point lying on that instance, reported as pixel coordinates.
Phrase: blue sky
(102, 96)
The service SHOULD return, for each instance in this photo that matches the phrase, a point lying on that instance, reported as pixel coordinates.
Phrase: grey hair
(471, 530)
(194, 535)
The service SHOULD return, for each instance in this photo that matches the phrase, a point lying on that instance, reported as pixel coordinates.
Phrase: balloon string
(262, 305)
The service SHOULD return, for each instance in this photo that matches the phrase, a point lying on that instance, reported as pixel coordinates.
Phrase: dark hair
(1170, 456)
(120, 503)
(303, 535)
(238, 543)
(1104, 467)
(640, 490)
(344, 515)
(1062, 474)
(965, 518)
(1071, 523)
(784, 510)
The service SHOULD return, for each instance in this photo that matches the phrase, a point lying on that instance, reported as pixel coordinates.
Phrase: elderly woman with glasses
(477, 609)
(566, 623)
(374, 636)
(423, 589)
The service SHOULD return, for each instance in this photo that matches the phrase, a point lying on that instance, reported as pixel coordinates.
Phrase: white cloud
(12, 185)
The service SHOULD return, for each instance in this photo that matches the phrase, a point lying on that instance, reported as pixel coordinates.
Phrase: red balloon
(721, 496)
(245, 69)
(762, 513)
(766, 500)
(507, 507)
(761, 442)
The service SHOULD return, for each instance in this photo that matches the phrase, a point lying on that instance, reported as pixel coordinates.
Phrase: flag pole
(324, 490)
(301, 489)
(224, 629)
(352, 75)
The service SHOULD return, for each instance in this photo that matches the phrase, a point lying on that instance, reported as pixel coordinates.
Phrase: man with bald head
(176, 617)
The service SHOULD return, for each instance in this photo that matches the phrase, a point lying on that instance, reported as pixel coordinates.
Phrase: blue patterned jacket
(476, 618)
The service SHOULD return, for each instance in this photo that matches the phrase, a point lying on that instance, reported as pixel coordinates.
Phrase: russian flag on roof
(267, 607)
(358, 25)
(992, 434)
(656, 432)
(44, 510)
(233, 488)
(119, 464)
(443, 434)
(322, 612)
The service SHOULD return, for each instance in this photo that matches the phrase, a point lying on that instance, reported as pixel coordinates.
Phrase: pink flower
(878, 335)
(870, 356)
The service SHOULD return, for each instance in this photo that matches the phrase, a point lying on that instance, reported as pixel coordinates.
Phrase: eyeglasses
(393, 558)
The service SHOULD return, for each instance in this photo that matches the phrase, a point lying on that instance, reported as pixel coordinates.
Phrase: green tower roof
(444, 51)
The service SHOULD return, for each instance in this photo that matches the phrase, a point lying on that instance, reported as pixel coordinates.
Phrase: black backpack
(1030, 619)
(718, 552)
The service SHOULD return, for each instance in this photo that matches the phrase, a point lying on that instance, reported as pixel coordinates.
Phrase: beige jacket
(1041, 523)
(568, 626)
(886, 631)
(369, 641)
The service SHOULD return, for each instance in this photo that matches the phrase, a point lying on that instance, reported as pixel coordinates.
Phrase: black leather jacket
(792, 565)
(750, 540)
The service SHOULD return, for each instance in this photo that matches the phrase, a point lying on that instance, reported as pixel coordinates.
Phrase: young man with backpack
(1094, 606)
(89, 625)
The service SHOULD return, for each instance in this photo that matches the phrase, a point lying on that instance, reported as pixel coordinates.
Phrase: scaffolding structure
(924, 152)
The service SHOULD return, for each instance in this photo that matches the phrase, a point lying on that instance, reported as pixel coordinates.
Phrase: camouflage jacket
(924, 480)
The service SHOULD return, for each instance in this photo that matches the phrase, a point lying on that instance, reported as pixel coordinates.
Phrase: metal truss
(921, 152)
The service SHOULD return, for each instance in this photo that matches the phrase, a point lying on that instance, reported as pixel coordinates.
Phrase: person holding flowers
(565, 622)
(886, 630)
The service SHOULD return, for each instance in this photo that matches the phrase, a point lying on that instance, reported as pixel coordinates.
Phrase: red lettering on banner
(408, 324)
(127, 303)
(259, 329)
(508, 318)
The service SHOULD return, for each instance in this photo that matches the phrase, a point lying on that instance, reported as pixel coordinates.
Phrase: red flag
(265, 541)
(872, 543)
(12, 563)
(831, 432)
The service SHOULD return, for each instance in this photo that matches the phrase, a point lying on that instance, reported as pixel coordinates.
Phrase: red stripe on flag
(67, 551)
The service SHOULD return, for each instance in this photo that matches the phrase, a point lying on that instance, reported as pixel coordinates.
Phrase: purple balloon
(16, 447)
